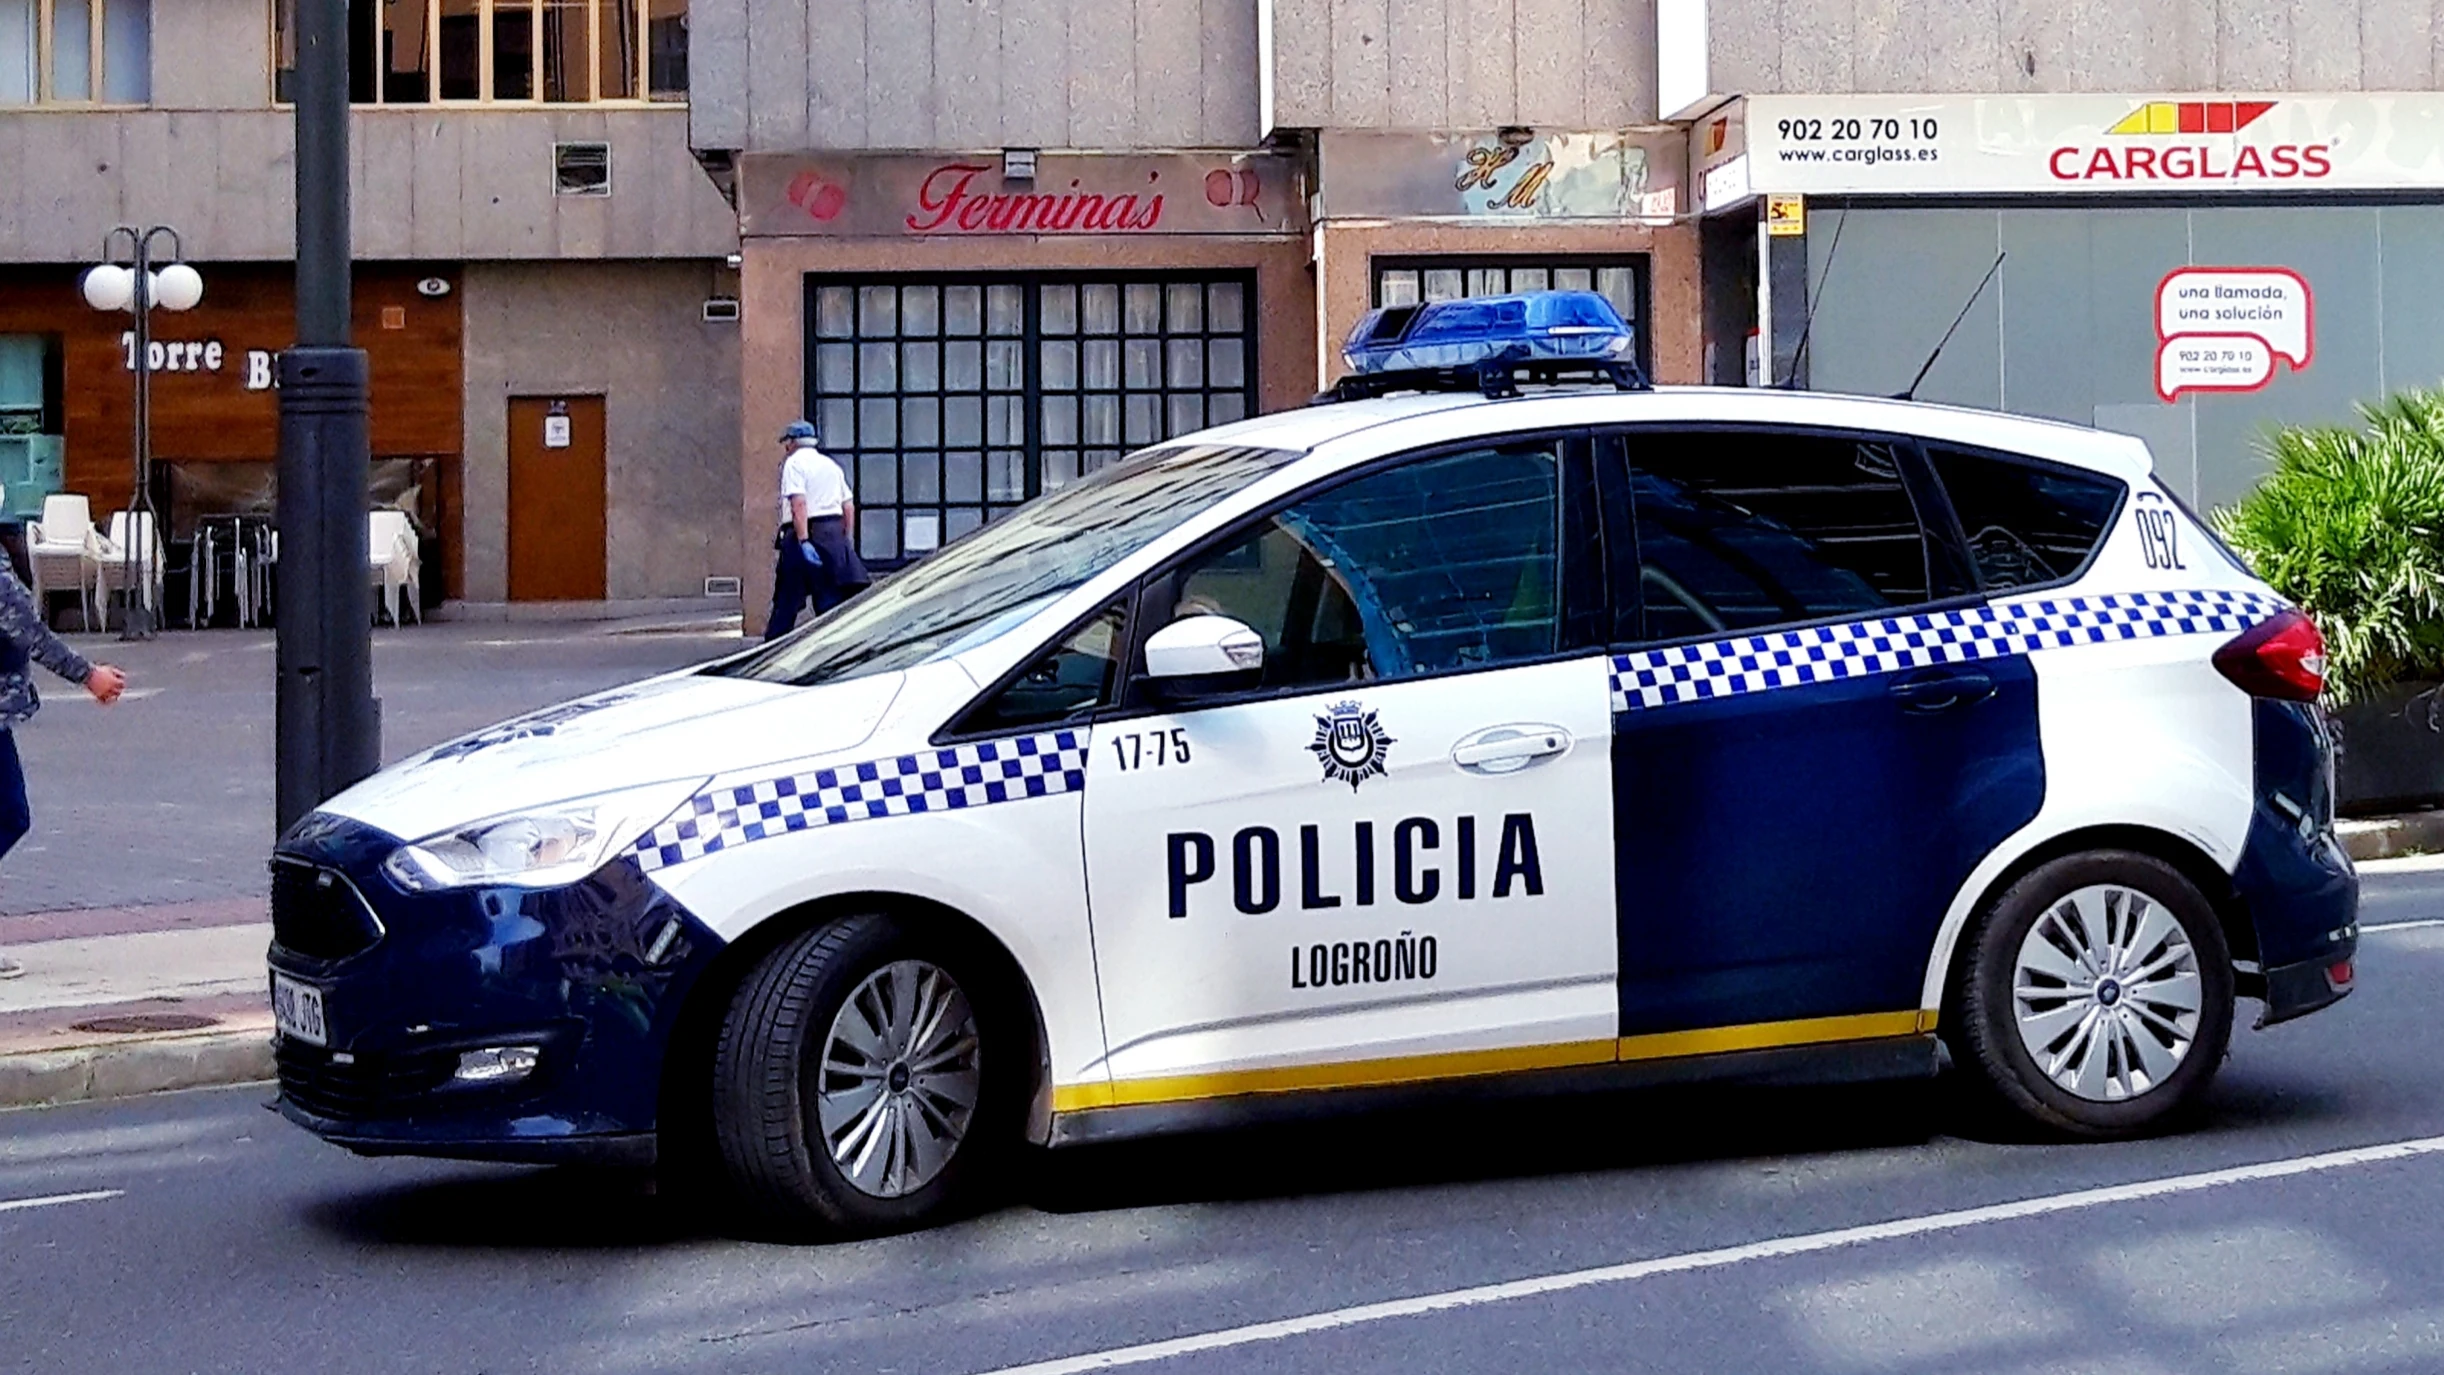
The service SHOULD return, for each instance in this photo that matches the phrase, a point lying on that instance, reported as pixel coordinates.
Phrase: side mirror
(1197, 655)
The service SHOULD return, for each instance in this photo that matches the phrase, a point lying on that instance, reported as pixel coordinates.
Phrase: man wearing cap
(815, 557)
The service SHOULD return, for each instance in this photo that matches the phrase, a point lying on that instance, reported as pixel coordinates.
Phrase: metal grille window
(950, 400)
(1407, 281)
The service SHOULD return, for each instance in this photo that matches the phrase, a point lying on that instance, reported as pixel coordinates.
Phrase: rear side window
(1741, 530)
(2028, 524)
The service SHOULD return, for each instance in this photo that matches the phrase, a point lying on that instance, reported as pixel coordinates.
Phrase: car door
(1388, 858)
(1814, 744)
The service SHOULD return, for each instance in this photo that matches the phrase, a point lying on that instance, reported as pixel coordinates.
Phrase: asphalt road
(178, 775)
(229, 1241)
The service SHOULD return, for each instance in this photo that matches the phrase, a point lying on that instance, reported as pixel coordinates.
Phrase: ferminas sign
(2091, 144)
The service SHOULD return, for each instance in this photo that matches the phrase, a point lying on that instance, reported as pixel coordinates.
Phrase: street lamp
(126, 280)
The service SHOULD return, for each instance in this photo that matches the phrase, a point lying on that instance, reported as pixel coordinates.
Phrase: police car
(1462, 734)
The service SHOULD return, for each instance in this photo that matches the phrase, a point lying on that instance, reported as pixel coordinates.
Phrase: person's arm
(21, 622)
(797, 514)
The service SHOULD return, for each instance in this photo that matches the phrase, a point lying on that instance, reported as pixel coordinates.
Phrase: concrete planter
(2391, 756)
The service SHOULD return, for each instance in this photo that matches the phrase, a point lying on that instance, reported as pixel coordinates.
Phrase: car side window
(1739, 530)
(2027, 523)
(1064, 683)
(1437, 564)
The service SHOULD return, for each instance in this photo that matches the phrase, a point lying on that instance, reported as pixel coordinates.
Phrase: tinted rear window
(2028, 524)
(1742, 530)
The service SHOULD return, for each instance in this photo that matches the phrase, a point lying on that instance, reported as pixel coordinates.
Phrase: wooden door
(556, 548)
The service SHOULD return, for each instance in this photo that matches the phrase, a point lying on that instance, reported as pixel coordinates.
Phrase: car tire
(864, 1081)
(2095, 996)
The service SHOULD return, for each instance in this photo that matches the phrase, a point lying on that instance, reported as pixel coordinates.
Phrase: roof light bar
(1489, 344)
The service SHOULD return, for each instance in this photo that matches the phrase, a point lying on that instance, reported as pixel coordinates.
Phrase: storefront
(2191, 270)
(1409, 217)
(971, 331)
(214, 409)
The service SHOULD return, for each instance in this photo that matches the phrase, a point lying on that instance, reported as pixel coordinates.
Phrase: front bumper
(591, 976)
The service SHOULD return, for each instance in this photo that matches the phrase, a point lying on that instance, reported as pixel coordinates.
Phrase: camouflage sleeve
(21, 623)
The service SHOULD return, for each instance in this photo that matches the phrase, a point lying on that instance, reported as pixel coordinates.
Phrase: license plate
(297, 1010)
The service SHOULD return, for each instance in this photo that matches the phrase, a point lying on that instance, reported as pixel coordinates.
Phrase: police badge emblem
(1350, 743)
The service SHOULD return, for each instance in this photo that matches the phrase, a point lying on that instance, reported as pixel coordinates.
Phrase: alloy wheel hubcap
(2106, 993)
(896, 1090)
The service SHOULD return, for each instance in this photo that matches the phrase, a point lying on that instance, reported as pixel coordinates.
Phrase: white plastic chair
(57, 547)
(390, 543)
(108, 563)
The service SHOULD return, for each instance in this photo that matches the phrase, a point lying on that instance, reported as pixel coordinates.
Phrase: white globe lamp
(178, 287)
(110, 287)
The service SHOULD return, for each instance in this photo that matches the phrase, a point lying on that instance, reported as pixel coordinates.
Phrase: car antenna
(1807, 326)
(1911, 393)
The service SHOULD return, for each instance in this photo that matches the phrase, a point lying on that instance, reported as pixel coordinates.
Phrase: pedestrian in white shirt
(816, 559)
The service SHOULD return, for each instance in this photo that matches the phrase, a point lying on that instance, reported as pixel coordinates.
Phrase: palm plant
(2350, 525)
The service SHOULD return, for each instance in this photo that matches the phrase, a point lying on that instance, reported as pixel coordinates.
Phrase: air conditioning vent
(721, 587)
(721, 308)
(581, 169)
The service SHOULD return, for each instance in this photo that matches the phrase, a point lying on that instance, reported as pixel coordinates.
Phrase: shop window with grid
(1621, 280)
(951, 400)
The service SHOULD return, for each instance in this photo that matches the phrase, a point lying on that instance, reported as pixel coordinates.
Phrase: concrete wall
(632, 333)
(456, 184)
(1469, 64)
(893, 74)
(212, 55)
(2006, 46)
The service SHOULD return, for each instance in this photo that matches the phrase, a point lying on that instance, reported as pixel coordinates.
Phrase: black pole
(328, 733)
(135, 560)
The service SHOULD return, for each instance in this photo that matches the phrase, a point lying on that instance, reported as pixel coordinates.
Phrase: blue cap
(797, 429)
(1537, 326)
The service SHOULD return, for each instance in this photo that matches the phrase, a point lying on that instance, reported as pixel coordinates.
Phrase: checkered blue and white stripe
(935, 780)
(1790, 658)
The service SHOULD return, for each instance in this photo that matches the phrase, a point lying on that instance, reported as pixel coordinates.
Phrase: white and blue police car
(1452, 732)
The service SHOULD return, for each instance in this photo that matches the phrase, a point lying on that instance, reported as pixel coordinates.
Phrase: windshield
(980, 585)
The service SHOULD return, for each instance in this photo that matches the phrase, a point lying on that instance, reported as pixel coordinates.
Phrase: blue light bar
(1565, 327)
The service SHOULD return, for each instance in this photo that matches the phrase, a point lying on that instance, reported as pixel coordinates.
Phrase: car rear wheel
(2097, 996)
(861, 1081)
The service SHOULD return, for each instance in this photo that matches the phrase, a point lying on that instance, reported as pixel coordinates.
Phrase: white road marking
(1806, 1244)
(11, 1205)
(2401, 925)
(2400, 864)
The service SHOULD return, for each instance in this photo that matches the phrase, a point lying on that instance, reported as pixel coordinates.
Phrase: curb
(2392, 837)
(127, 1069)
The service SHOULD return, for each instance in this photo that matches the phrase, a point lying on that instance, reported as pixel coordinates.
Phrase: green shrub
(2350, 525)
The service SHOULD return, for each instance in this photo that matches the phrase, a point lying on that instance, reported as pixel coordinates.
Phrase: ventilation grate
(581, 169)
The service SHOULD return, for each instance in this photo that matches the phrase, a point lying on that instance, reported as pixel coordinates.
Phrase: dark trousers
(796, 581)
(15, 817)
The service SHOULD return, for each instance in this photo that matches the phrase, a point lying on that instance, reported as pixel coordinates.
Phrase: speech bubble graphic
(2272, 303)
(2212, 362)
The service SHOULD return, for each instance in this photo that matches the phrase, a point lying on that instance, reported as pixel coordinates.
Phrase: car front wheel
(859, 1083)
(2097, 997)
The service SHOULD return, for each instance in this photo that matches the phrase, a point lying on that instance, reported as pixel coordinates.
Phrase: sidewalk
(129, 1000)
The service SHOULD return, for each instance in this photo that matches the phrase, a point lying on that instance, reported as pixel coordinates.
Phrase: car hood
(687, 724)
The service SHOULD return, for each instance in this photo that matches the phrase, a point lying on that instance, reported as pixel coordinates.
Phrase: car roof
(1390, 423)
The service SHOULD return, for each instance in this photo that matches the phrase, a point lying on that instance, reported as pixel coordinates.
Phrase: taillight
(2283, 656)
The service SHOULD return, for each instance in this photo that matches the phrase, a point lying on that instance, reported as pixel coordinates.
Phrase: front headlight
(539, 847)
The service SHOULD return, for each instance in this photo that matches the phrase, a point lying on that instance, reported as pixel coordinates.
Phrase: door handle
(1508, 749)
(1942, 690)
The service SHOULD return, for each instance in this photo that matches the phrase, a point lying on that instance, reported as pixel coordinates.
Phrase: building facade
(534, 239)
(1181, 206)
